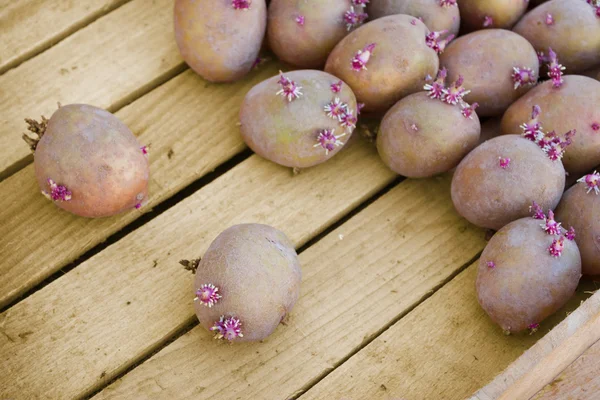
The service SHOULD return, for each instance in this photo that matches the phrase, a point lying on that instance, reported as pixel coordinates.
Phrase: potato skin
(217, 41)
(258, 274)
(527, 283)
(435, 16)
(490, 197)
(575, 105)
(308, 45)
(421, 137)
(396, 69)
(96, 157)
(486, 60)
(504, 13)
(574, 36)
(582, 211)
(286, 132)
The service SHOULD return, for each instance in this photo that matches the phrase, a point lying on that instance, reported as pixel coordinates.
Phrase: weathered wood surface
(446, 348)
(31, 26)
(190, 126)
(109, 63)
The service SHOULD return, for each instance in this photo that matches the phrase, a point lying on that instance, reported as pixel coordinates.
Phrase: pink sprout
(413, 22)
(553, 146)
(550, 226)
(360, 2)
(549, 19)
(437, 89)
(522, 76)
(468, 110)
(241, 4)
(447, 3)
(227, 328)
(596, 126)
(504, 162)
(491, 264)
(456, 92)
(336, 87)
(414, 127)
(144, 149)
(533, 327)
(207, 295)
(348, 120)
(592, 181)
(289, 89)
(487, 21)
(57, 192)
(595, 5)
(542, 57)
(138, 206)
(328, 140)
(352, 18)
(538, 212)
(362, 57)
(555, 70)
(359, 108)
(532, 130)
(257, 62)
(557, 246)
(336, 109)
(439, 45)
(570, 234)
(300, 20)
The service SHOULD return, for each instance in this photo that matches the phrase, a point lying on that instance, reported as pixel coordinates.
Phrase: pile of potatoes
(432, 72)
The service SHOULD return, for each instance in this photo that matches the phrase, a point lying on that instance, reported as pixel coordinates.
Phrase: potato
(422, 137)
(479, 14)
(246, 283)
(89, 163)
(575, 105)
(573, 32)
(217, 40)
(519, 280)
(304, 129)
(487, 60)
(580, 208)
(437, 17)
(379, 67)
(303, 32)
(495, 183)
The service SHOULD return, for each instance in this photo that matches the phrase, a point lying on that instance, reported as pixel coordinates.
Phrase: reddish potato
(525, 275)
(480, 14)
(570, 27)
(574, 105)
(580, 208)
(309, 122)
(246, 283)
(380, 68)
(303, 33)
(487, 60)
(437, 15)
(495, 184)
(220, 40)
(89, 163)
(421, 137)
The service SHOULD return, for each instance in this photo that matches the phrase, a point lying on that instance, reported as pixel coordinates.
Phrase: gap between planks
(120, 303)
(31, 26)
(108, 63)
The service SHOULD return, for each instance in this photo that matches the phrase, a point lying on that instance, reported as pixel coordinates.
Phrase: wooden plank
(108, 64)
(31, 26)
(444, 349)
(179, 121)
(579, 381)
(575, 331)
(82, 329)
(357, 279)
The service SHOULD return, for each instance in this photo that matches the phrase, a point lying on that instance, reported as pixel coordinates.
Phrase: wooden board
(31, 26)
(368, 272)
(109, 63)
(444, 349)
(189, 151)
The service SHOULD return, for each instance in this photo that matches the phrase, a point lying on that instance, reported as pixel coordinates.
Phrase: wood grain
(88, 325)
(357, 279)
(446, 348)
(550, 349)
(108, 64)
(579, 381)
(31, 26)
(190, 125)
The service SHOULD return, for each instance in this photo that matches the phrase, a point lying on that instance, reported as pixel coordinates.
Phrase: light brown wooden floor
(102, 307)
